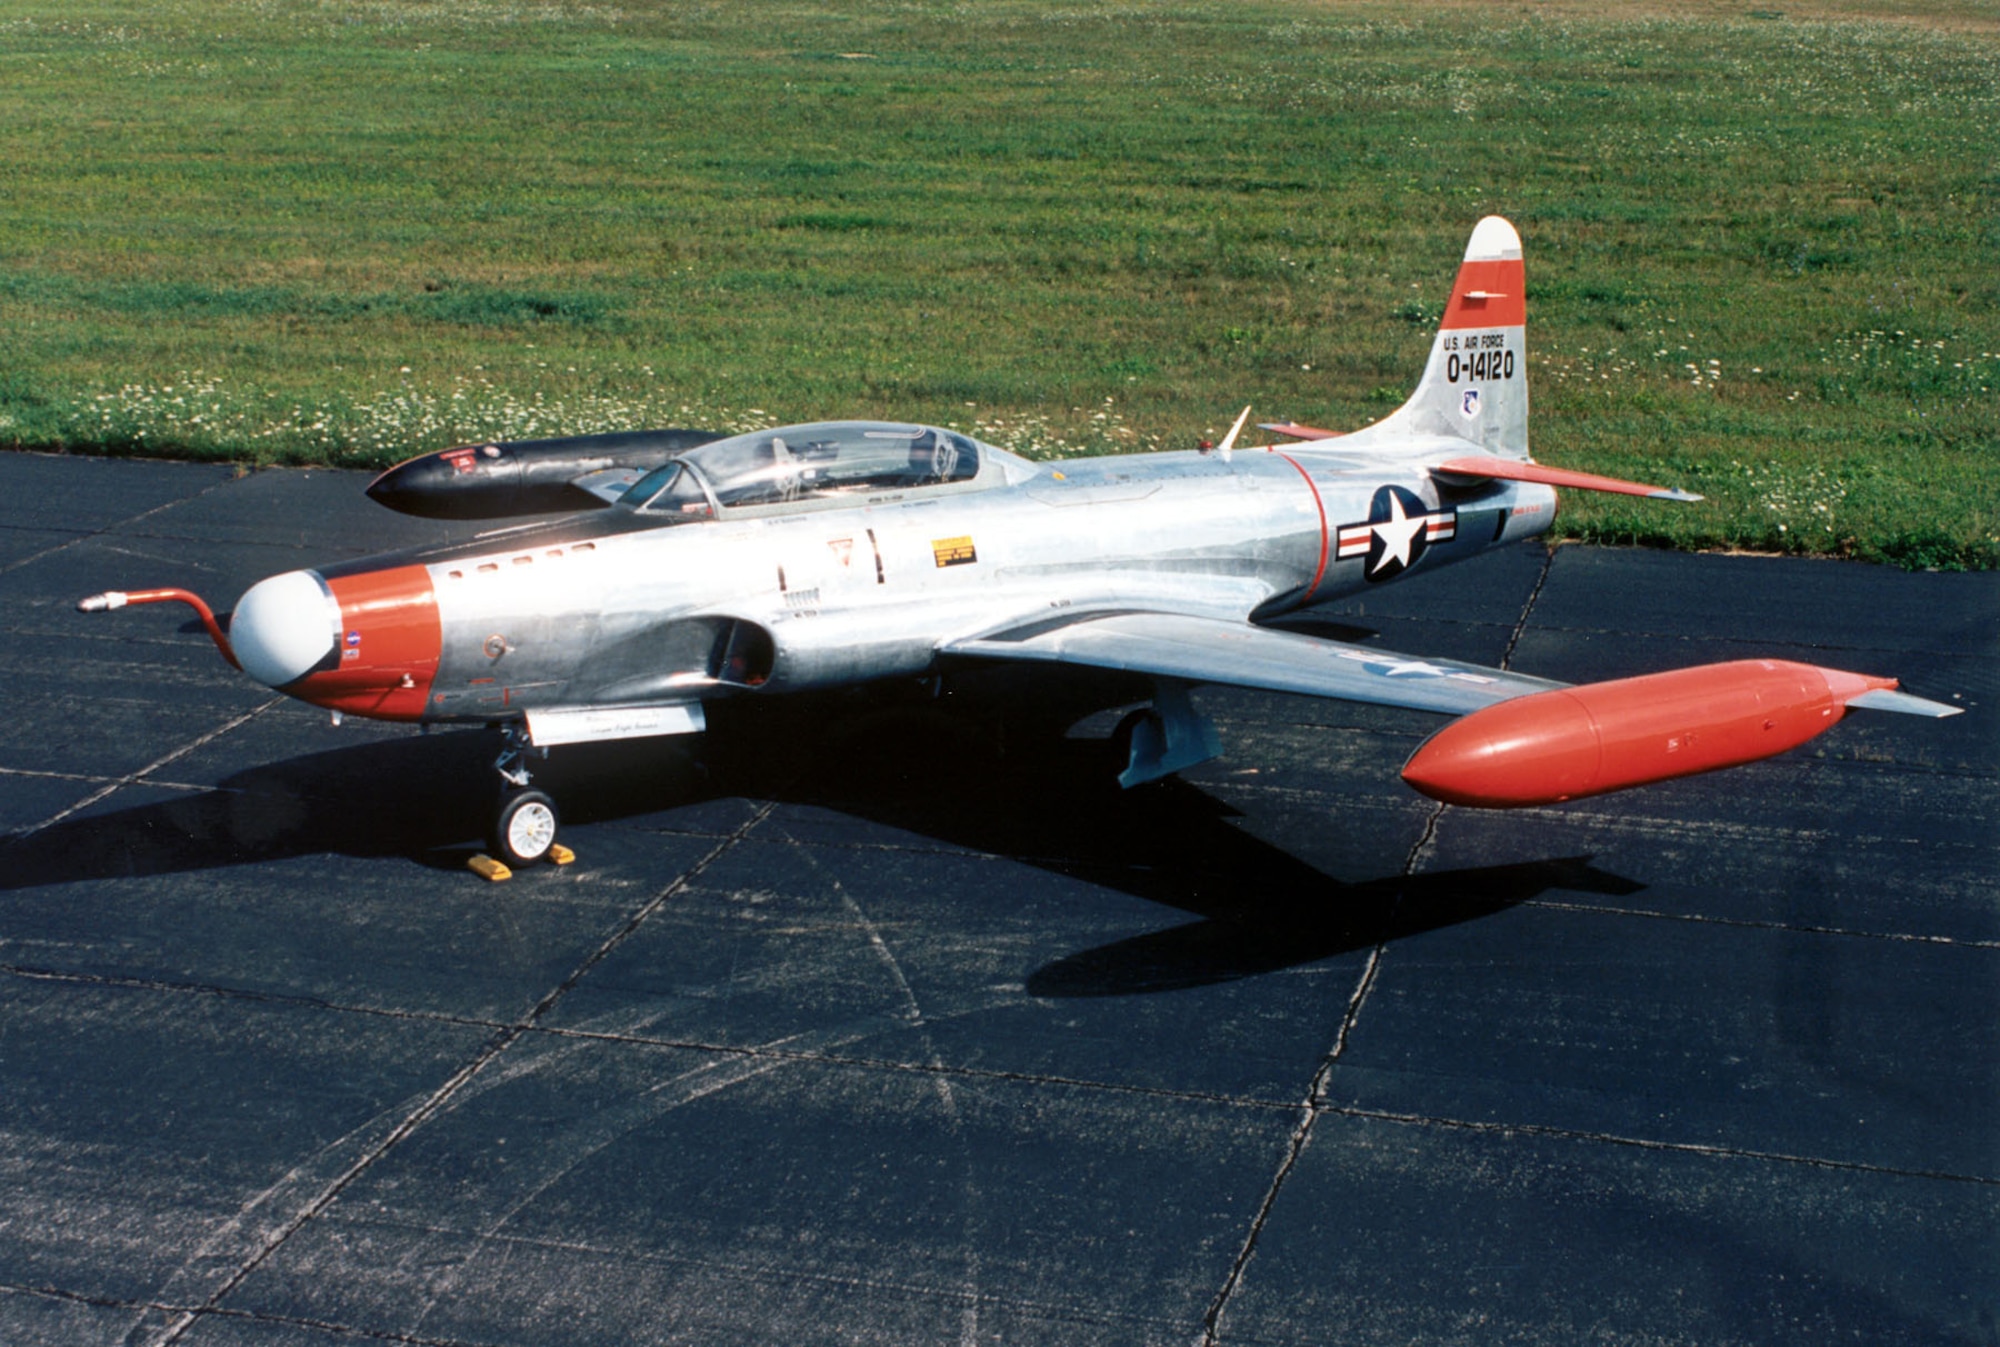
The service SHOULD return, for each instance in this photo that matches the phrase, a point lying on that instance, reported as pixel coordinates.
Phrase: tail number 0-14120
(1479, 365)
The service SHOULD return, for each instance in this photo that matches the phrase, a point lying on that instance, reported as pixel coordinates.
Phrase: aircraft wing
(1212, 650)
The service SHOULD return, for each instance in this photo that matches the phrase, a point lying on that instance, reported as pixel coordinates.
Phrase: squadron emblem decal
(1393, 537)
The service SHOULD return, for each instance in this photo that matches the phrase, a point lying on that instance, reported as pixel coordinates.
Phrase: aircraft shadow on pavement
(994, 772)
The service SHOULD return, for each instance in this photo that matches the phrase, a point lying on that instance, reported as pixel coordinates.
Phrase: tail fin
(1475, 386)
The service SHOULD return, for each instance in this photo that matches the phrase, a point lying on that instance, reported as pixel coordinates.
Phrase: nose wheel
(524, 827)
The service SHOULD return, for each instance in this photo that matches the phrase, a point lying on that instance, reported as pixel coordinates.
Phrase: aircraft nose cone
(284, 627)
(414, 487)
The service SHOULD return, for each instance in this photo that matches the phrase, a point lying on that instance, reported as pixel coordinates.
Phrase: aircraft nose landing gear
(525, 820)
(524, 827)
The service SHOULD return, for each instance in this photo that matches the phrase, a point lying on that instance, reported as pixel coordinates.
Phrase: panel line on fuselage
(1319, 505)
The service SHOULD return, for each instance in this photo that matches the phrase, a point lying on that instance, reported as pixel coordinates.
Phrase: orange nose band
(388, 646)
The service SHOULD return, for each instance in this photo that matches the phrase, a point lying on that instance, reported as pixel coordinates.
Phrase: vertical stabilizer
(1475, 386)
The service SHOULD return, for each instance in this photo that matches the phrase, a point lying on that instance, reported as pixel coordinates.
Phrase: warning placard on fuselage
(953, 551)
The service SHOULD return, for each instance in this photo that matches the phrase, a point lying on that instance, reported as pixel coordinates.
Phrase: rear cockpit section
(815, 467)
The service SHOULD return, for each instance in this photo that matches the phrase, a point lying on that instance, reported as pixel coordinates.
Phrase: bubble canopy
(827, 462)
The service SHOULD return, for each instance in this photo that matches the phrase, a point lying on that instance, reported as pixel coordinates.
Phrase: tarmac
(873, 1019)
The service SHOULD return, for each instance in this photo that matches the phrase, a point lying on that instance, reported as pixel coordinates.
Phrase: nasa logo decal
(1398, 529)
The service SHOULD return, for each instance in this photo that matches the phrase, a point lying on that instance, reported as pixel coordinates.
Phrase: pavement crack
(941, 1083)
(441, 1098)
(1315, 1100)
(1528, 607)
(1657, 1144)
(113, 527)
(1756, 924)
(132, 778)
(1295, 1145)
(770, 1052)
(127, 982)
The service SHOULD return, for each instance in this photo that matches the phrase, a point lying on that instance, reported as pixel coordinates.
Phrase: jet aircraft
(843, 552)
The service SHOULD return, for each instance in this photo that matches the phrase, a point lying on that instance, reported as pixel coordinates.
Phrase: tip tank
(1570, 743)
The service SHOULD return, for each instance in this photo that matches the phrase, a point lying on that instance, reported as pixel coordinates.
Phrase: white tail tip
(1493, 240)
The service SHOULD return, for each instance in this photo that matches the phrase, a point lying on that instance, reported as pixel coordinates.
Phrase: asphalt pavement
(876, 1019)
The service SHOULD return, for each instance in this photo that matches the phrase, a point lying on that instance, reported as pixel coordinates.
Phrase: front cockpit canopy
(831, 462)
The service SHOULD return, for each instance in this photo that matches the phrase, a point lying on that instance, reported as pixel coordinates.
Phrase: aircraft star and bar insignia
(1398, 529)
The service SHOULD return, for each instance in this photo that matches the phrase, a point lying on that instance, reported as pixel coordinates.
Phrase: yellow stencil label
(953, 551)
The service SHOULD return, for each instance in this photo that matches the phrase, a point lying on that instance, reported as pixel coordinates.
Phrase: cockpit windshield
(669, 489)
(833, 459)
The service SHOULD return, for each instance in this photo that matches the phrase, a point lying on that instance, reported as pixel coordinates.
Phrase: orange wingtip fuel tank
(1572, 742)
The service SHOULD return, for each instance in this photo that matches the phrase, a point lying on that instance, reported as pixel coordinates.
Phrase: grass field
(1761, 241)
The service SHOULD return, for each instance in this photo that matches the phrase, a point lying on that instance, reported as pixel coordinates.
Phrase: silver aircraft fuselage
(626, 608)
(845, 552)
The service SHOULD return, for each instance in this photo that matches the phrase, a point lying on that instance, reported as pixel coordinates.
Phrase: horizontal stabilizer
(1298, 432)
(1512, 470)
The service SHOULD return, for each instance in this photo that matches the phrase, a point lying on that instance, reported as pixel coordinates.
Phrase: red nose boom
(1573, 742)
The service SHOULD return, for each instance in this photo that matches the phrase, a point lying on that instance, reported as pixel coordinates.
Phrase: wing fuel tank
(1573, 742)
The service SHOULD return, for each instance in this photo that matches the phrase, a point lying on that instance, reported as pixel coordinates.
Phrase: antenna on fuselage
(1229, 440)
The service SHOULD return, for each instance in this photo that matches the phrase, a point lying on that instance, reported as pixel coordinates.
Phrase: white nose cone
(284, 627)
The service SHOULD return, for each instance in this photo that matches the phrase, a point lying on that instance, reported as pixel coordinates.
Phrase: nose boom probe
(113, 599)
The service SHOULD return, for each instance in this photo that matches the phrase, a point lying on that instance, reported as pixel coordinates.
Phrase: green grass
(1760, 249)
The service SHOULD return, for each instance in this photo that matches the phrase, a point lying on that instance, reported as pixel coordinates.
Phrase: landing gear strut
(523, 829)
(1162, 740)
